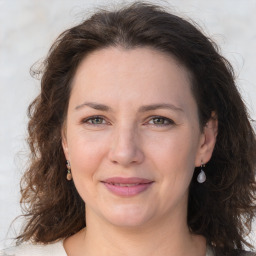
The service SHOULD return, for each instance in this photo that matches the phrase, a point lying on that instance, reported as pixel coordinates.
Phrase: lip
(127, 186)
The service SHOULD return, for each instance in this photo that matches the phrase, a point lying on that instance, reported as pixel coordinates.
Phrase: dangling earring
(201, 178)
(69, 174)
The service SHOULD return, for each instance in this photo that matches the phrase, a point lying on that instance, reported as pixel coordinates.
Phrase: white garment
(55, 249)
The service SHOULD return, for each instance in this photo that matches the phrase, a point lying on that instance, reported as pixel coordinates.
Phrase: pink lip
(135, 185)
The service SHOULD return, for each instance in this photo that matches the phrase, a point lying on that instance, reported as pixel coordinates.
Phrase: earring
(201, 178)
(69, 174)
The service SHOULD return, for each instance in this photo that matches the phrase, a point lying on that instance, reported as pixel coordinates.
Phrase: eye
(161, 121)
(94, 120)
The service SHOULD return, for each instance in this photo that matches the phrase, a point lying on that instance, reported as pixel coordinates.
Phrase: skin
(118, 125)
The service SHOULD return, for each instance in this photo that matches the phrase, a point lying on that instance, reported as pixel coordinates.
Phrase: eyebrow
(145, 108)
(159, 106)
(94, 105)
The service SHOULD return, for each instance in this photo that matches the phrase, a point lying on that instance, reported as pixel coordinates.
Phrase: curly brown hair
(222, 208)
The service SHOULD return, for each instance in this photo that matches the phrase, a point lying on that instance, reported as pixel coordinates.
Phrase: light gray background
(28, 28)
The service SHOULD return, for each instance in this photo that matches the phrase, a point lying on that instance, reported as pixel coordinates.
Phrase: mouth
(124, 185)
(127, 186)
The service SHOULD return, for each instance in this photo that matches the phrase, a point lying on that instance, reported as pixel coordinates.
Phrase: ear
(64, 142)
(207, 141)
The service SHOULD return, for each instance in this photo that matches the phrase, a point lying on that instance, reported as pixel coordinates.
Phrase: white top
(55, 249)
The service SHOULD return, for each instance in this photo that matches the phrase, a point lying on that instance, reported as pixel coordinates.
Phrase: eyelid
(170, 121)
(85, 120)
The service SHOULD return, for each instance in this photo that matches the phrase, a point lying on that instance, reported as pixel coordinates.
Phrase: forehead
(141, 73)
(144, 61)
(144, 54)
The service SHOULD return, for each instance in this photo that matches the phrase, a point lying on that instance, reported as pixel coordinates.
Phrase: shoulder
(27, 249)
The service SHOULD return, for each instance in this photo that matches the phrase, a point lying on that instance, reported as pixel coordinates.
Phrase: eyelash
(89, 120)
(166, 121)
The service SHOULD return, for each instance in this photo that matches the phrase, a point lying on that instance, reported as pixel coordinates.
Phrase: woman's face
(132, 136)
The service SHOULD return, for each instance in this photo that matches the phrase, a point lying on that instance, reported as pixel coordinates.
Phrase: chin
(128, 216)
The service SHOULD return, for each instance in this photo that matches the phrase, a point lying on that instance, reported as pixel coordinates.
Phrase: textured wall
(27, 29)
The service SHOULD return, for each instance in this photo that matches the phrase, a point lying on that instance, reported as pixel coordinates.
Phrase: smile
(127, 186)
(124, 185)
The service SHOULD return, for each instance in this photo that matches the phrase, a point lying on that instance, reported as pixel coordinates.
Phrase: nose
(125, 147)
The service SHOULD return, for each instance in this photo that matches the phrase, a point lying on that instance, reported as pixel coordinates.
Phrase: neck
(155, 239)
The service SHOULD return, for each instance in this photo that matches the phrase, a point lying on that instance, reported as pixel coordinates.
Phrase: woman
(138, 118)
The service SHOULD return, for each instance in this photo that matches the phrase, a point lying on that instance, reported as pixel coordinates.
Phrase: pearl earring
(201, 178)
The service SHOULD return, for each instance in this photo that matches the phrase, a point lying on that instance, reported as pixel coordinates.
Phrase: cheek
(85, 155)
(175, 149)
(86, 151)
(174, 157)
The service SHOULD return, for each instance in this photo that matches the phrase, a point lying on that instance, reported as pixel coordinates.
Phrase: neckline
(61, 243)
(209, 251)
